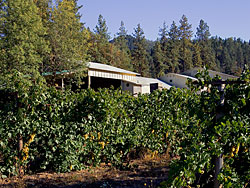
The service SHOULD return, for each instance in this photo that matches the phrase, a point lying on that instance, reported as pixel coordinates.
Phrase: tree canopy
(49, 36)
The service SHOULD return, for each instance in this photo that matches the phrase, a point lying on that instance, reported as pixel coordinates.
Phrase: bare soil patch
(146, 172)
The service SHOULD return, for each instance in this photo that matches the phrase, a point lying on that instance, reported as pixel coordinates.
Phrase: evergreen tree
(101, 29)
(174, 33)
(202, 33)
(122, 30)
(2, 17)
(239, 56)
(2, 22)
(160, 52)
(197, 61)
(226, 63)
(22, 37)
(44, 10)
(158, 60)
(186, 44)
(174, 48)
(66, 36)
(139, 53)
(121, 40)
(100, 47)
(163, 33)
(217, 46)
(206, 51)
(121, 43)
(246, 53)
(115, 54)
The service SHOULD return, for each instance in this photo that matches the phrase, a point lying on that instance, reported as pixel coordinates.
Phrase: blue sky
(225, 18)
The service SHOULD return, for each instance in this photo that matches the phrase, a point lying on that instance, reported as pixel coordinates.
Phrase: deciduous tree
(22, 34)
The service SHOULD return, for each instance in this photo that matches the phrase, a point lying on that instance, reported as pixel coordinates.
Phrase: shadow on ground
(148, 176)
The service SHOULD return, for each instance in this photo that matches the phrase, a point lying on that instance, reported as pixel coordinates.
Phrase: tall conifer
(160, 53)
(66, 36)
(101, 29)
(174, 48)
(139, 53)
(186, 44)
(158, 60)
(121, 43)
(206, 51)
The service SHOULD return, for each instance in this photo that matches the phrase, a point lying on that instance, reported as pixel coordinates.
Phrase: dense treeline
(48, 35)
(178, 49)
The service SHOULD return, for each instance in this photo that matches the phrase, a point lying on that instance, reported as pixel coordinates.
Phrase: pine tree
(22, 37)
(186, 44)
(163, 33)
(101, 29)
(164, 41)
(226, 61)
(43, 10)
(160, 52)
(206, 51)
(217, 46)
(197, 61)
(202, 33)
(121, 43)
(174, 48)
(174, 33)
(158, 60)
(121, 40)
(66, 37)
(122, 30)
(2, 49)
(139, 53)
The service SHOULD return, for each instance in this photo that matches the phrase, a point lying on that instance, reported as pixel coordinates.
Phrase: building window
(127, 84)
(171, 80)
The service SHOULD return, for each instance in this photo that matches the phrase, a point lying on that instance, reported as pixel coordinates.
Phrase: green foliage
(160, 53)
(203, 31)
(139, 53)
(22, 42)
(216, 130)
(101, 29)
(66, 36)
(197, 55)
(185, 44)
(159, 60)
(65, 131)
(206, 51)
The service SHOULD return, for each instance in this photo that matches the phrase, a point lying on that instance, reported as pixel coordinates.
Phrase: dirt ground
(146, 172)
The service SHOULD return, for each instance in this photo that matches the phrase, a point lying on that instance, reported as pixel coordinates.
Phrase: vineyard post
(89, 81)
(20, 140)
(20, 148)
(219, 159)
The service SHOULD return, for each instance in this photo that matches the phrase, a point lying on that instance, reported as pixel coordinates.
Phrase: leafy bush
(64, 131)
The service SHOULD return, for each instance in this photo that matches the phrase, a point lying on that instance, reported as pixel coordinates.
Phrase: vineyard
(42, 128)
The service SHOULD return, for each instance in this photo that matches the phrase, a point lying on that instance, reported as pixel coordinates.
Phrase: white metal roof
(109, 68)
(212, 73)
(147, 81)
(180, 75)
